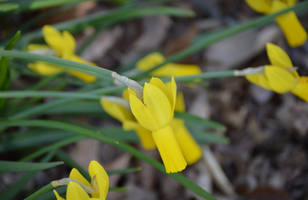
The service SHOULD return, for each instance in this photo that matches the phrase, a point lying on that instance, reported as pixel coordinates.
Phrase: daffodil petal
(301, 90)
(116, 110)
(53, 38)
(169, 150)
(190, 148)
(259, 80)
(180, 103)
(160, 84)
(293, 30)
(97, 172)
(146, 138)
(70, 44)
(261, 6)
(75, 174)
(125, 94)
(57, 195)
(277, 56)
(75, 192)
(150, 61)
(44, 68)
(281, 80)
(158, 104)
(173, 88)
(142, 113)
(130, 125)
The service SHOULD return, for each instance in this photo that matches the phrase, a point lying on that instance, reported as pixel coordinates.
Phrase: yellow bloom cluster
(280, 77)
(99, 184)
(156, 126)
(288, 22)
(61, 45)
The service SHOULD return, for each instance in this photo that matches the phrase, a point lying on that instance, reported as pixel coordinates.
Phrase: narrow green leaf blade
(5, 81)
(7, 166)
(198, 121)
(118, 144)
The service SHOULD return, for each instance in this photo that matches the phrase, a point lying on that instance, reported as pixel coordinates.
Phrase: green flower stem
(118, 144)
(40, 192)
(97, 94)
(58, 61)
(219, 35)
(21, 94)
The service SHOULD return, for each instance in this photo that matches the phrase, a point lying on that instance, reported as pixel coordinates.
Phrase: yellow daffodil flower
(124, 115)
(99, 184)
(61, 45)
(191, 150)
(288, 22)
(280, 76)
(155, 113)
(169, 69)
(74, 192)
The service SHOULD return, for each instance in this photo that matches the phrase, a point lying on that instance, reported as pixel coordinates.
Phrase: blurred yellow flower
(155, 113)
(124, 115)
(169, 69)
(61, 45)
(99, 184)
(288, 22)
(280, 76)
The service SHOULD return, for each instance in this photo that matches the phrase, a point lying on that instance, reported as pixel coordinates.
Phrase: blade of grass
(54, 104)
(34, 5)
(51, 147)
(5, 80)
(198, 121)
(124, 171)
(73, 95)
(30, 138)
(14, 189)
(58, 62)
(8, 166)
(92, 134)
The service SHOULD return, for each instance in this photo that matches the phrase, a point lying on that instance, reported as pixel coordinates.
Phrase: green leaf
(209, 138)
(31, 138)
(14, 189)
(118, 144)
(7, 166)
(52, 148)
(192, 120)
(33, 5)
(118, 189)
(123, 171)
(23, 94)
(5, 81)
(6, 7)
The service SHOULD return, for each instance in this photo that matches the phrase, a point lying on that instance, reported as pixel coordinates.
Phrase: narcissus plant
(155, 112)
(280, 76)
(79, 188)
